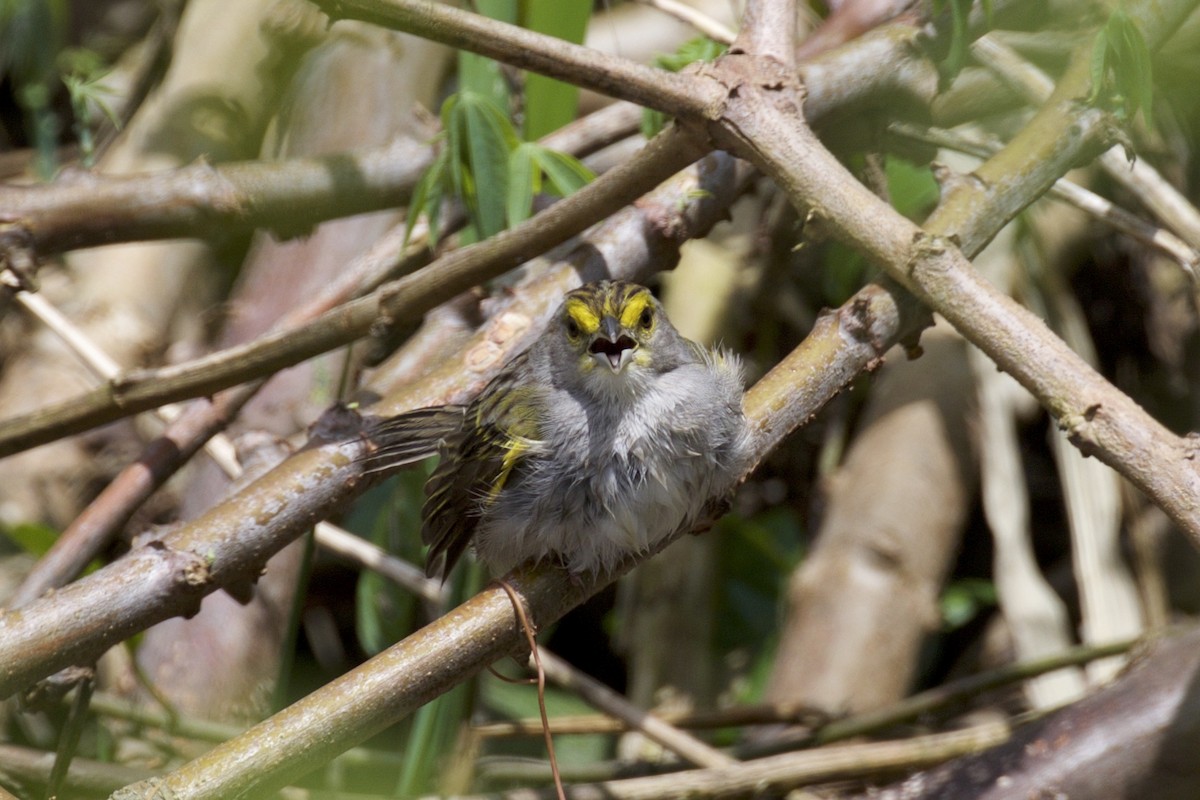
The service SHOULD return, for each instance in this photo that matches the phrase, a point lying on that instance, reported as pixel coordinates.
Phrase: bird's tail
(410, 437)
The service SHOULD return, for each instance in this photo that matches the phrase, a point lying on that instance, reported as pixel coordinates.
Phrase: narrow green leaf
(389, 515)
(427, 197)
(523, 177)
(957, 55)
(1142, 79)
(1121, 66)
(1099, 65)
(652, 122)
(488, 138)
(483, 75)
(550, 104)
(456, 161)
(431, 741)
(699, 49)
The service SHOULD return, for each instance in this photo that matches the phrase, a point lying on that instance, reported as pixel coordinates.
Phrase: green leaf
(32, 537)
(1099, 66)
(964, 600)
(565, 173)
(483, 75)
(913, 190)
(653, 121)
(430, 748)
(691, 51)
(1122, 70)
(956, 56)
(519, 701)
(699, 49)
(427, 196)
(384, 612)
(488, 137)
(452, 129)
(528, 164)
(524, 179)
(550, 104)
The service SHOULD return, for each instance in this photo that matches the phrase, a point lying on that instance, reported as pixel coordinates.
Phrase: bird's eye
(646, 319)
(572, 328)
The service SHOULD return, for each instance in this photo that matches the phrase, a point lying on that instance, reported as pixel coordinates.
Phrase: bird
(609, 434)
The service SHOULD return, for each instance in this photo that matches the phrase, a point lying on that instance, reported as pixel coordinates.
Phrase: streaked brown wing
(500, 430)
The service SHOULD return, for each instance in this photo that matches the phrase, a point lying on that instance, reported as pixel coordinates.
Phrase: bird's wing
(500, 431)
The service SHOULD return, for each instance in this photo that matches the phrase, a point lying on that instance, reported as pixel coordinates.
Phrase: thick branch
(85, 210)
(769, 30)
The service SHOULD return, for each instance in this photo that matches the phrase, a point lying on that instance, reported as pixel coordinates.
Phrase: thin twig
(85, 778)
(963, 689)
(68, 740)
(655, 728)
(930, 701)
(774, 776)
(370, 556)
(527, 629)
(712, 28)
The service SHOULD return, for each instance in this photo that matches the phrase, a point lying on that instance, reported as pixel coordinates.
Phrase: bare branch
(616, 77)
(652, 726)
(712, 28)
(85, 209)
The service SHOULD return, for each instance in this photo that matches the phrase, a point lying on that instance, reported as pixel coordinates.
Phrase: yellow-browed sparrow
(605, 437)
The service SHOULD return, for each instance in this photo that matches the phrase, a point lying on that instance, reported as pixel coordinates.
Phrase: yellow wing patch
(513, 450)
(511, 421)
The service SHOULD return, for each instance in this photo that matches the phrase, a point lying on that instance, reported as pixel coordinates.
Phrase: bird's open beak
(611, 347)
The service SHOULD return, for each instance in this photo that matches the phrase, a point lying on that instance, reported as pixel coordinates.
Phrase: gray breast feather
(634, 474)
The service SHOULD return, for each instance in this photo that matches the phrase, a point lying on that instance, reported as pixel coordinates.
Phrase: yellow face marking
(631, 314)
(583, 315)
